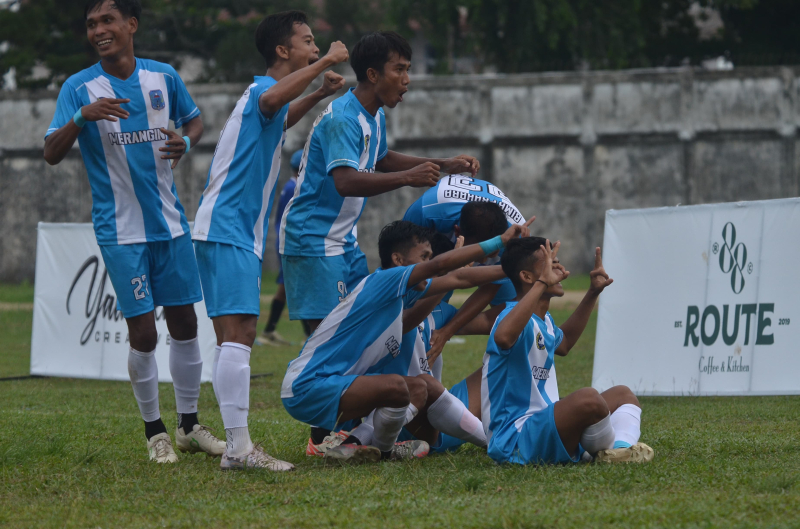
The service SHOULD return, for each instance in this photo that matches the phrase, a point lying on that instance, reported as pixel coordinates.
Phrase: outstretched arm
(464, 278)
(395, 161)
(417, 314)
(352, 183)
(293, 85)
(576, 323)
(483, 322)
(510, 329)
(332, 83)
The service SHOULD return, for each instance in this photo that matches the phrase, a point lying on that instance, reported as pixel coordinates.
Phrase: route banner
(705, 300)
(77, 329)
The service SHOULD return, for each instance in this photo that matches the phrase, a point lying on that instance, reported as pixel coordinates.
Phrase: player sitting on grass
(119, 110)
(337, 376)
(232, 222)
(524, 419)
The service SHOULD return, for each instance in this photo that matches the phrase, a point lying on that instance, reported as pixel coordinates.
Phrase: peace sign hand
(552, 273)
(599, 279)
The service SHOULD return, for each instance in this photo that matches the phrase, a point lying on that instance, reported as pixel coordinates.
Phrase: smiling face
(109, 32)
(392, 83)
(301, 48)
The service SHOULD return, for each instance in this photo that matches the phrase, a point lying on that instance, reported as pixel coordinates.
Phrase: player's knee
(417, 391)
(433, 387)
(396, 391)
(592, 405)
(183, 325)
(143, 339)
(624, 395)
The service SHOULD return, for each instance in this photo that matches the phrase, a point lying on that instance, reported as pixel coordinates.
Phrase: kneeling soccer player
(523, 418)
(337, 376)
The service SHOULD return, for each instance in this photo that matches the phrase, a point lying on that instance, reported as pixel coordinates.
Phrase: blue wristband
(78, 119)
(492, 245)
(188, 144)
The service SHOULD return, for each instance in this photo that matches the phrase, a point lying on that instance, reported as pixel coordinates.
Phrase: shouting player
(119, 110)
(231, 226)
(321, 258)
(523, 417)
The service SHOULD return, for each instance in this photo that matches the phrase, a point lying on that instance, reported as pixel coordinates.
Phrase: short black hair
(519, 256)
(440, 243)
(128, 8)
(373, 51)
(482, 220)
(277, 30)
(399, 236)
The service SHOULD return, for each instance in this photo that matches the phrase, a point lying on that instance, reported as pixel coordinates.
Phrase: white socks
(599, 436)
(143, 372)
(411, 412)
(388, 422)
(186, 367)
(217, 350)
(451, 417)
(627, 420)
(232, 386)
(364, 431)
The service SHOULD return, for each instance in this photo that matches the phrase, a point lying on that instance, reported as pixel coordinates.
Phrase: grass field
(72, 454)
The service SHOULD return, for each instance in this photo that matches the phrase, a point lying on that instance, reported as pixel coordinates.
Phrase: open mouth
(104, 44)
(400, 95)
(313, 59)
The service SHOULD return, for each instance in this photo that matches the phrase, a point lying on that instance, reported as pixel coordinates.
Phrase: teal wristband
(492, 245)
(188, 144)
(79, 119)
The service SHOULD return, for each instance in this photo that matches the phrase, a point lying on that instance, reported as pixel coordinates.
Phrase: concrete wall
(565, 147)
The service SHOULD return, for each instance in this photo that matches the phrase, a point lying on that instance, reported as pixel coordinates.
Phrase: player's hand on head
(461, 164)
(106, 108)
(338, 52)
(332, 83)
(598, 278)
(552, 272)
(175, 147)
(423, 175)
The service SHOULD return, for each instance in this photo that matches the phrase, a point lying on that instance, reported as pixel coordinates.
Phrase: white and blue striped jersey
(439, 207)
(518, 382)
(413, 357)
(134, 199)
(318, 221)
(236, 204)
(361, 335)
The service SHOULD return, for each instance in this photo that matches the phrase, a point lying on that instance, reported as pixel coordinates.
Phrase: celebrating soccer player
(521, 412)
(321, 258)
(231, 226)
(119, 110)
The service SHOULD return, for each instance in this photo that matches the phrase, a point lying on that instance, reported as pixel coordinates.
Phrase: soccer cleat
(331, 441)
(409, 450)
(272, 339)
(258, 458)
(638, 453)
(160, 449)
(352, 454)
(199, 439)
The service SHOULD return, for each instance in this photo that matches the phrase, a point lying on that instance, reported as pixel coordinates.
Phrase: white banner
(705, 300)
(77, 330)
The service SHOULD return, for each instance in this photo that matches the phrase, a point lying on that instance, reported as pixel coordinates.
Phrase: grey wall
(565, 147)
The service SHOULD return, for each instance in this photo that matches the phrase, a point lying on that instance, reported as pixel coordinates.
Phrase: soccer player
(347, 144)
(337, 376)
(119, 110)
(521, 412)
(231, 225)
(269, 336)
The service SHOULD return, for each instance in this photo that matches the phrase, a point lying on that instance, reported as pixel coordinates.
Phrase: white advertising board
(705, 300)
(77, 329)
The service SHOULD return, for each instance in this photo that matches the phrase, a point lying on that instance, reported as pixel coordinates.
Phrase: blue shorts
(315, 285)
(538, 443)
(150, 274)
(448, 443)
(318, 404)
(231, 278)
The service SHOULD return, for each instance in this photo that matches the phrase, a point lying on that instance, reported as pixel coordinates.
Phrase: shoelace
(161, 448)
(205, 431)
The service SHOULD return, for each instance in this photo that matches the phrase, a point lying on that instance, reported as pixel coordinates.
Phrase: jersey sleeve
(559, 333)
(342, 143)
(524, 338)
(181, 105)
(388, 285)
(67, 104)
(383, 149)
(412, 296)
(443, 313)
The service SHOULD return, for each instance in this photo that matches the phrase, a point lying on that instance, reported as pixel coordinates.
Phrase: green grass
(72, 455)
(16, 293)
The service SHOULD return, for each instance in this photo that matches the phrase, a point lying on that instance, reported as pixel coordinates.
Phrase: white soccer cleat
(199, 439)
(413, 449)
(330, 442)
(255, 459)
(638, 453)
(160, 449)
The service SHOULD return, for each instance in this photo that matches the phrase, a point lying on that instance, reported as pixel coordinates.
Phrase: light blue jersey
(439, 207)
(133, 193)
(318, 222)
(413, 357)
(518, 382)
(360, 336)
(236, 204)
